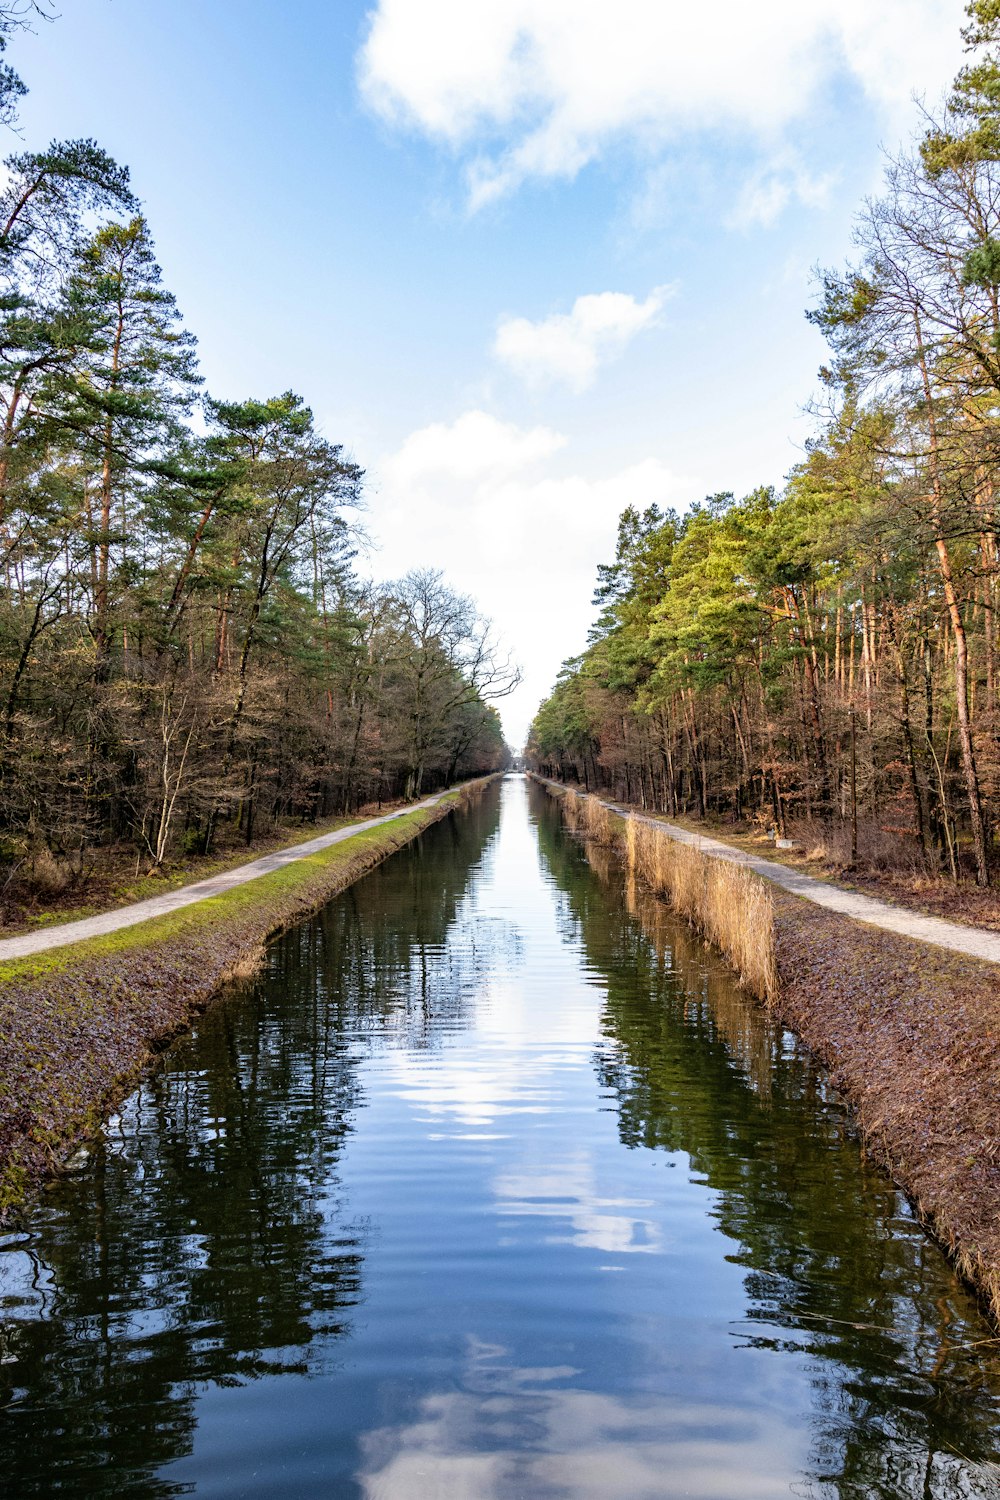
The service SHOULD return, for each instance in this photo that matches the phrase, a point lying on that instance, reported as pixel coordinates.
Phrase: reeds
(571, 806)
(732, 907)
(590, 817)
(748, 1029)
(725, 902)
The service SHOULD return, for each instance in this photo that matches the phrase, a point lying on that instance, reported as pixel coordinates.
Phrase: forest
(188, 654)
(823, 660)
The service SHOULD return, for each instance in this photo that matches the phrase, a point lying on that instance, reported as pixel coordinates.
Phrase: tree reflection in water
(356, 1239)
(213, 1246)
(906, 1394)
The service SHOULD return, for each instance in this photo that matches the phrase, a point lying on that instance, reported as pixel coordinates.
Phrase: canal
(492, 1184)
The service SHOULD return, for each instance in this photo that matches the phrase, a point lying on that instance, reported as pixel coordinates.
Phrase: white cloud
(467, 1443)
(476, 447)
(538, 88)
(450, 1089)
(770, 189)
(565, 1192)
(570, 346)
(501, 510)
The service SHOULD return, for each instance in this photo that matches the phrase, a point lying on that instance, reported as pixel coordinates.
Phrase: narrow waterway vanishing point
(493, 1184)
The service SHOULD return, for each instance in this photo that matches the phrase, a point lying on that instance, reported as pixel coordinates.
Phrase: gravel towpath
(973, 941)
(188, 895)
(976, 942)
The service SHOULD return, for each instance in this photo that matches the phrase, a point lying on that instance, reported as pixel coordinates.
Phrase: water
(492, 1186)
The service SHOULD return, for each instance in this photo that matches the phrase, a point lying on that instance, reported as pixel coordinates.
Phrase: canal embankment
(85, 1008)
(908, 1029)
(492, 1182)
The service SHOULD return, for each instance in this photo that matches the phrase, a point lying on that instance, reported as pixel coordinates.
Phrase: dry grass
(732, 907)
(591, 818)
(746, 1027)
(46, 875)
(880, 850)
(246, 966)
(729, 905)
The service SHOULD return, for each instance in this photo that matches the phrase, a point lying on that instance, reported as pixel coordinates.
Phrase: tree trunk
(965, 740)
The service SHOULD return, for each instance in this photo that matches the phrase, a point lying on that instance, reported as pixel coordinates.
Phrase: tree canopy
(186, 647)
(828, 653)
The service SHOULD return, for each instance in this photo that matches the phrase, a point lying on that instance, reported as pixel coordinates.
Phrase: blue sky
(529, 260)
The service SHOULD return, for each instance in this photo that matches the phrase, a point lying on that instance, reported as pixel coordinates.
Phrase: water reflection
(566, 1193)
(212, 1244)
(905, 1391)
(492, 1186)
(529, 1431)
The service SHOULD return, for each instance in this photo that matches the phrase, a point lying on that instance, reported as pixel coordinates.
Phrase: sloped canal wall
(909, 1033)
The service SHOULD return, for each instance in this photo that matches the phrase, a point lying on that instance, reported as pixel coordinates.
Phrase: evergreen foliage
(185, 647)
(829, 654)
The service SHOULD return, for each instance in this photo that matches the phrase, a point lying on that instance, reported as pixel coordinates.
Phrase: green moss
(58, 918)
(13, 1185)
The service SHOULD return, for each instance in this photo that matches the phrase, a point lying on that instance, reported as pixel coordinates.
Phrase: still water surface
(493, 1185)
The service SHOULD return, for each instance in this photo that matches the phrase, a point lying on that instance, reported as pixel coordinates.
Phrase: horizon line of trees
(828, 655)
(185, 646)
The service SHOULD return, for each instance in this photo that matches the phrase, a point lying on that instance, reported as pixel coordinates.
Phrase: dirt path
(976, 942)
(188, 895)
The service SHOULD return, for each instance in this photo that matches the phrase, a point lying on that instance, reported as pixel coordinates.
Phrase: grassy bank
(909, 1033)
(116, 883)
(80, 1025)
